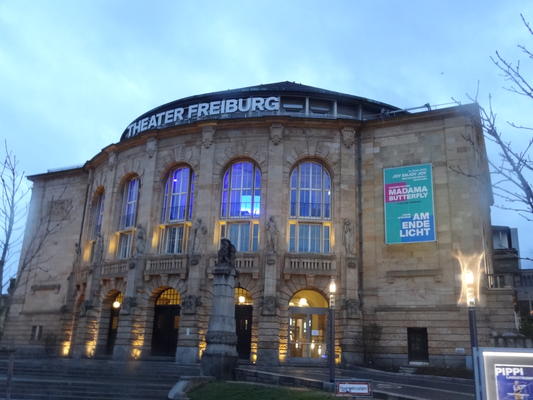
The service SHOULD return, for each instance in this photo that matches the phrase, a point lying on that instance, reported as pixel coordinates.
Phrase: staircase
(65, 379)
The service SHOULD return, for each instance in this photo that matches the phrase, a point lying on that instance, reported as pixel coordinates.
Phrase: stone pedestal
(220, 356)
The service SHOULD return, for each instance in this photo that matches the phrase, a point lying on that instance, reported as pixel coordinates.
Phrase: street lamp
(331, 336)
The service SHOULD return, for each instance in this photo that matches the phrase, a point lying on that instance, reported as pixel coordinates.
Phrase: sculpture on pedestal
(220, 356)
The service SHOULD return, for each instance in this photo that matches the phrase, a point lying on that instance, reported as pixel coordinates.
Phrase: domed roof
(281, 98)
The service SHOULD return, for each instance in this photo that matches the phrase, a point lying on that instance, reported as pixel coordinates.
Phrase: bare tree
(514, 168)
(12, 207)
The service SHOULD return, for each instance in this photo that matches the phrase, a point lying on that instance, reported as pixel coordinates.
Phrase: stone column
(348, 321)
(126, 338)
(199, 248)
(220, 356)
(275, 246)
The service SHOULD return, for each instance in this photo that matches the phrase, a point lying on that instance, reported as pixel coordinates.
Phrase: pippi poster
(514, 382)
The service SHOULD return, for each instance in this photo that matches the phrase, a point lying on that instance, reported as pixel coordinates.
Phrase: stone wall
(393, 286)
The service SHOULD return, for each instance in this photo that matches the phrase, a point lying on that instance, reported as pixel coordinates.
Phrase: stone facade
(68, 281)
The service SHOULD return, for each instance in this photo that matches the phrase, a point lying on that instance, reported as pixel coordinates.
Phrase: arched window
(177, 208)
(97, 216)
(240, 205)
(128, 216)
(310, 209)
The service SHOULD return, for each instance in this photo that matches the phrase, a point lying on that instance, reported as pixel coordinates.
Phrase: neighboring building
(508, 272)
(119, 252)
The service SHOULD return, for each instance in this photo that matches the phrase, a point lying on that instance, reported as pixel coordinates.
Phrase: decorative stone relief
(199, 230)
(351, 307)
(140, 241)
(348, 137)
(128, 304)
(351, 262)
(189, 304)
(272, 235)
(269, 305)
(348, 236)
(151, 147)
(60, 208)
(98, 249)
(276, 133)
(111, 159)
(207, 136)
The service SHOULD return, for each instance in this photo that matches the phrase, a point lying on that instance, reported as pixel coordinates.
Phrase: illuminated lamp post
(331, 336)
(469, 282)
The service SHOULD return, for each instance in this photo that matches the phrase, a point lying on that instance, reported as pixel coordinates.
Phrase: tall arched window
(240, 205)
(310, 209)
(128, 216)
(177, 208)
(97, 216)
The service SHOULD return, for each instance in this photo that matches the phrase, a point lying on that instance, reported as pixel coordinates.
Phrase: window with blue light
(178, 196)
(241, 191)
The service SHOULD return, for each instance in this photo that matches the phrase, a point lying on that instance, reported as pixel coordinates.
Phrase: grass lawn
(245, 391)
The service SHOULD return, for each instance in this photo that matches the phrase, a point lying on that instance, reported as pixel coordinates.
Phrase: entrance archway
(308, 310)
(114, 314)
(166, 323)
(243, 322)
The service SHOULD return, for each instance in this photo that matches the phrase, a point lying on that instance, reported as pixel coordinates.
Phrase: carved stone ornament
(151, 147)
(276, 133)
(112, 159)
(347, 236)
(87, 305)
(351, 306)
(221, 337)
(189, 304)
(272, 235)
(207, 136)
(199, 230)
(348, 137)
(269, 305)
(140, 241)
(128, 304)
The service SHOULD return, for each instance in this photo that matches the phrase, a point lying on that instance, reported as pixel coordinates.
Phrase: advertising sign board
(353, 388)
(505, 374)
(408, 197)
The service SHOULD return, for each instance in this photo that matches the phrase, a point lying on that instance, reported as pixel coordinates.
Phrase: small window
(36, 332)
(243, 235)
(125, 241)
(309, 238)
(174, 239)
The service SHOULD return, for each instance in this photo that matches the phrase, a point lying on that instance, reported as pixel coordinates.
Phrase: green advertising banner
(408, 197)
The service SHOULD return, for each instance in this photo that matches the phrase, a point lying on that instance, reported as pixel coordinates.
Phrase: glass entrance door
(307, 332)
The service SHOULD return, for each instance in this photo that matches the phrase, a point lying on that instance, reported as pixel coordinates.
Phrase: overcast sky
(74, 74)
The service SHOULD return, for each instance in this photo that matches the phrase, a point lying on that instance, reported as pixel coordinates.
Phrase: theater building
(310, 186)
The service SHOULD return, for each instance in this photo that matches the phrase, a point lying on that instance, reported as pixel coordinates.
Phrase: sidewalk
(385, 384)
